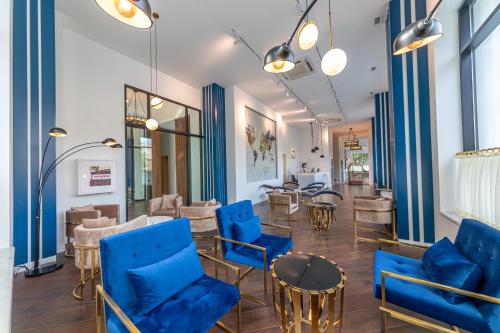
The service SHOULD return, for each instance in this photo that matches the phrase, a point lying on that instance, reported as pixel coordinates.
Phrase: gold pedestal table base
(306, 290)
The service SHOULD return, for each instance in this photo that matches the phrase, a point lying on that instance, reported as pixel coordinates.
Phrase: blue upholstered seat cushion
(421, 299)
(195, 309)
(155, 283)
(247, 231)
(275, 245)
(445, 264)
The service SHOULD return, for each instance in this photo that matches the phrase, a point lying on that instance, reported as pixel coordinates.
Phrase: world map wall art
(261, 150)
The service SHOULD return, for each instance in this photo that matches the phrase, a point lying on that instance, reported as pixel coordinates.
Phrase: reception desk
(306, 178)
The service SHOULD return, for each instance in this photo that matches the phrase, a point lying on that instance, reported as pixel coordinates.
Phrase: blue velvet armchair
(406, 282)
(256, 250)
(153, 281)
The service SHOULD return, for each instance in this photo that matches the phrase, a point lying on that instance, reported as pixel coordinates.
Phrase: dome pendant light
(136, 13)
(335, 60)
(418, 34)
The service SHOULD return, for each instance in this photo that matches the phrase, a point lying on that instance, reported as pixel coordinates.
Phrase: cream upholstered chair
(374, 210)
(166, 205)
(75, 215)
(87, 238)
(282, 205)
(201, 215)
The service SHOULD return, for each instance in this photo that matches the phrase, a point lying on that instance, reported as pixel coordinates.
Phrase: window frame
(469, 42)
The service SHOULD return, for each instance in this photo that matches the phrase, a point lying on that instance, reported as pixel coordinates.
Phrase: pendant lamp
(308, 34)
(335, 60)
(136, 13)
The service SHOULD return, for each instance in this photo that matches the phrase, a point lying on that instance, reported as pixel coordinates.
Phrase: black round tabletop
(322, 204)
(308, 272)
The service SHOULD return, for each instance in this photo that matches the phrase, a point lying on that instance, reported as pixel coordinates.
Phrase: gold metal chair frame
(103, 297)
(386, 311)
(219, 240)
(288, 320)
(200, 237)
(289, 216)
(393, 234)
(78, 289)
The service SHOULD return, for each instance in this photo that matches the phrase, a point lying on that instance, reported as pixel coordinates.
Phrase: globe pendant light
(418, 34)
(151, 124)
(156, 103)
(335, 60)
(308, 35)
(136, 13)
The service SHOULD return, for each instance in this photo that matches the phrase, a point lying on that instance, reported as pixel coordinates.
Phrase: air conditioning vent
(303, 67)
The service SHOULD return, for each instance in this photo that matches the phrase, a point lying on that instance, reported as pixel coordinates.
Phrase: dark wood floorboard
(45, 304)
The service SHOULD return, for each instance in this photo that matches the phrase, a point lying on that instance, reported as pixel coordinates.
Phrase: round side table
(321, 215)
(305, 289)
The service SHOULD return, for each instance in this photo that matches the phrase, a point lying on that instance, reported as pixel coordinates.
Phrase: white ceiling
(196, 45)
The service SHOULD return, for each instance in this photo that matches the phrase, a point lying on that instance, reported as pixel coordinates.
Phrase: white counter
(306, 178)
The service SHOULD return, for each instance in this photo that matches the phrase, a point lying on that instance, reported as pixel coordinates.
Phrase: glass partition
(165, 161)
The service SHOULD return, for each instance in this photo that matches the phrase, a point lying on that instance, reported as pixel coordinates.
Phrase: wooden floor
(45, 304)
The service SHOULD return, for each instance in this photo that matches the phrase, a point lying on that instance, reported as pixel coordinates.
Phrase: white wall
(312, 159)
(287, 137)
(90, 106)
(5, 125)
(444, 69)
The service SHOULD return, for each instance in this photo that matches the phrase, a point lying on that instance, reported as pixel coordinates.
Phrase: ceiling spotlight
(287, 94)
(308, 35)
(136, 13)
(109, 142)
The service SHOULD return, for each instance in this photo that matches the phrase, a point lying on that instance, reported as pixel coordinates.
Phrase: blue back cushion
(247, 231)
(138, 248)
(445, 264)
(480, 243)
(156, 283)
(227, 215)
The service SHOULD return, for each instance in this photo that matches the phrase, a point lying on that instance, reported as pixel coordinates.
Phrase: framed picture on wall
(261, 151)
(96, 176)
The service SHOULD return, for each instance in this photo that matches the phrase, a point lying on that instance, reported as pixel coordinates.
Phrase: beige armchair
(202, 218)
(87, 238)
(75, 215)
(282, 205)
(167, 205)
(375, 211)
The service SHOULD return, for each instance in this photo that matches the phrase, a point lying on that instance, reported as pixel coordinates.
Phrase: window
(480, 73)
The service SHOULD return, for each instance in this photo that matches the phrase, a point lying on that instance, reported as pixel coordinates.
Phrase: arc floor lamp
(44, 174)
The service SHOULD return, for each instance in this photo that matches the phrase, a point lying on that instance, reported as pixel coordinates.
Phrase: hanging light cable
(156, 102)
(151, 123)
(308, 34)
(335, 60)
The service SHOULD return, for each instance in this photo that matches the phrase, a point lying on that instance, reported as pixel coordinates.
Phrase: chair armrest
(382, 241)
(260, 248)
(115, 308)
(178, 203)
(427, 283)
(289, 229)
(222, 262)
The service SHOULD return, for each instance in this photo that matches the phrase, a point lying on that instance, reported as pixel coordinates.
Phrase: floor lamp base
(43, 269)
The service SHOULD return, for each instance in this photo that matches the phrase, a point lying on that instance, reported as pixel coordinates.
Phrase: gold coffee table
(321, 215)
(305, 289)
